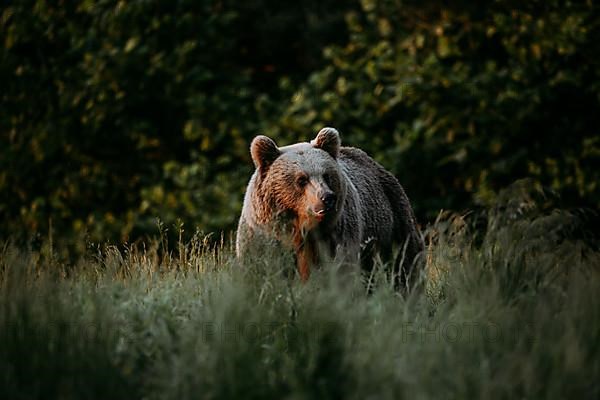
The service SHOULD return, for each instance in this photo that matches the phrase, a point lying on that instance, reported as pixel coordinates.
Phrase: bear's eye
(302, 180)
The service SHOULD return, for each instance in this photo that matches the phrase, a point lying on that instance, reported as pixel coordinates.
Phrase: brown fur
(320, 199)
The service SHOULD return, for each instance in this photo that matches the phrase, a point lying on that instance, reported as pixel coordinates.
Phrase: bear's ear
(328, 139)
(263, 151)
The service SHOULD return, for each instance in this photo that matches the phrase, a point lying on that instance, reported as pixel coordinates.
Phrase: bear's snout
(328, 200)
(326, 205)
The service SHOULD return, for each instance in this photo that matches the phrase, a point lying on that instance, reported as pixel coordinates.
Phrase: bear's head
(302, 182)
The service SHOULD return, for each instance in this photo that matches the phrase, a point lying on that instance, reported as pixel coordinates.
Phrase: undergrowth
(509, 309)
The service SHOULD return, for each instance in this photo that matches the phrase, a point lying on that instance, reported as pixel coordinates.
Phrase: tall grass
(510, 310)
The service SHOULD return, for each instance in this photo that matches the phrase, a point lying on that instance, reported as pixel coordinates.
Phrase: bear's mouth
(320, 215)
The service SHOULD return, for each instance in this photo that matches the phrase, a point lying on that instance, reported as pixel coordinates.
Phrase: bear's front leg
(305, 256)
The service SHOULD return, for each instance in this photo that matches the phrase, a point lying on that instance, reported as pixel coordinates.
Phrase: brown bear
(323, 200)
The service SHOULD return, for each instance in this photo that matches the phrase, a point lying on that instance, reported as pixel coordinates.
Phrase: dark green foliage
(460, 101)
(114, 114)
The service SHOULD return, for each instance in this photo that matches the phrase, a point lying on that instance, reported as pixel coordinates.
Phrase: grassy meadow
(509, 309)
(115, 113)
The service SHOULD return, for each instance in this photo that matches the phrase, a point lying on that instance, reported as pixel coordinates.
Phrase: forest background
(116, 114)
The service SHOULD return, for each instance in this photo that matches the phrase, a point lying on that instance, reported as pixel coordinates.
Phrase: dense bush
(113, 114)
(460, 101)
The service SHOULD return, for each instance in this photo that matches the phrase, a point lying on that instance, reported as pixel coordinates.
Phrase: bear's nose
(328, 200)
